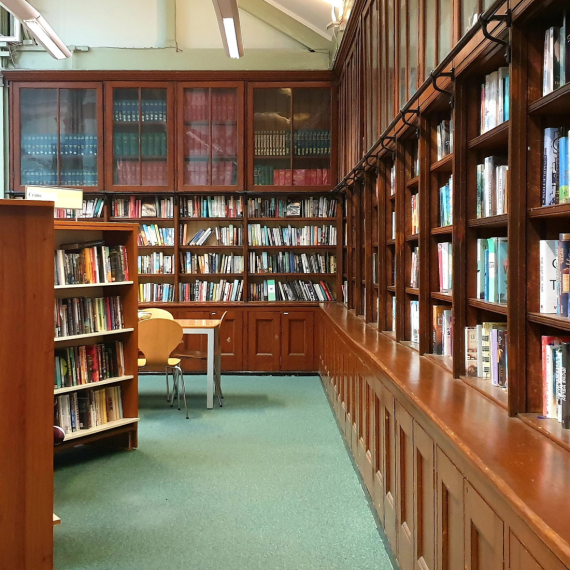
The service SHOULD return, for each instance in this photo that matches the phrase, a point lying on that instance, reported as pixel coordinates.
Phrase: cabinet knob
(285, 313)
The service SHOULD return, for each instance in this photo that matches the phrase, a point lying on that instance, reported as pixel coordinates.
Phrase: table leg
(210, 378)
(218, 368)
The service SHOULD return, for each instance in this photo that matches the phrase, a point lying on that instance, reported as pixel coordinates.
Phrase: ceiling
(315, 14)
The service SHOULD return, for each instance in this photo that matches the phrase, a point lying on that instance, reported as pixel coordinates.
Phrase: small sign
(67, 198)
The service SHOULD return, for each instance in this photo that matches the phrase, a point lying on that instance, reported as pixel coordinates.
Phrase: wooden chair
(159, 314)
(201, 355)
(157, 339)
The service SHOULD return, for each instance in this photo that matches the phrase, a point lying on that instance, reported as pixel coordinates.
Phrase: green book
(271, 290)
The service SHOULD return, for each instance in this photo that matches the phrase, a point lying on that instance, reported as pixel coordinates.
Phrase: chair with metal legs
(157, 340)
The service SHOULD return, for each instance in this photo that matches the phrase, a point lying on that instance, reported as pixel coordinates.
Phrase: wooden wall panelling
(405, 487)
(368, 188)
(389, 429)
(263, 340)
(26, 380)
(519, 557)
(361, 418)
(484, 540)
(449, 538)
(297, 338)
(369, 430)
(357, 260)
(382, 265)
(424, 500)
(231, 339)
(378, 451)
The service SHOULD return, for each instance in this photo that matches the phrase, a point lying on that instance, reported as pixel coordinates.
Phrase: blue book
(563, 195)
(502, 269)
(507, 99)
(486, 266)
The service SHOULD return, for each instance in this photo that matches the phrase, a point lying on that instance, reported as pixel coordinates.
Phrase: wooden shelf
(555, 103)
(209, 247)
(495, 139)
(486, 306)
(413, 183)
(291, 219)
(483, 385)
(229, 220)
(300, 275)
(154, 247)
(92, 285)
(92, 335)
(550, 320)
(413, 345)
(443, 230)
(557, 211)
(98, 429)
(413, 291)
(211, 275)
(443, 165)
(155, 275)
(447, 297)
(391, 288)
(446, 362)
(391, 242)
(551, 428)
(291, 247)
(139, 220)
(413, 237)
(500, 221)
(91, 385)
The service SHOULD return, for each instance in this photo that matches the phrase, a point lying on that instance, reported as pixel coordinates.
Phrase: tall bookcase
(123, 431)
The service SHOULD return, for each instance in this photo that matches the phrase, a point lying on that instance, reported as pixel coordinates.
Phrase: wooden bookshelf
(122, 432)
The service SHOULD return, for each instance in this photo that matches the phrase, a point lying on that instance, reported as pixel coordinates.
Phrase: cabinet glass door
(140, 137)
(59, 137)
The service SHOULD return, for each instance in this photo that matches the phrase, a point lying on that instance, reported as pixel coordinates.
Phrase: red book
(319, 176)
(325, 289)
(326, 176)
(298, 177)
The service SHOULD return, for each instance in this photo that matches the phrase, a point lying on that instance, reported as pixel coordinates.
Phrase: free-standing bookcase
(121, 432)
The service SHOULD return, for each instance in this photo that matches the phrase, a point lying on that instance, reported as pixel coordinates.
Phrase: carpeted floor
(263, 483)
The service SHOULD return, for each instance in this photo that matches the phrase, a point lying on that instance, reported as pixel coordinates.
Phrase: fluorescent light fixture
(231, 37)
(38, 27)
(228, 20)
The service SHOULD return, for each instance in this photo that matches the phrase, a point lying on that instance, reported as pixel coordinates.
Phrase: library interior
(257, 300)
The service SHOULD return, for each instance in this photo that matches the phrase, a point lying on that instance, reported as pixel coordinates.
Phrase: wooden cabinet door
(483, 534)
(192, 342)
(263, 343)
(449, 531)
(389, 429)
(297, 338)
(519, 557)
(378, 451)
(231, 339)
(405, 487)
(424, 500)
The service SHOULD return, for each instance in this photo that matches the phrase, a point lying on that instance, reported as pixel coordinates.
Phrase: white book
(489, 186)
(502, 74)
(551, 403)
(548, 69)
(548, 251)
(501, 181)
(492, 270)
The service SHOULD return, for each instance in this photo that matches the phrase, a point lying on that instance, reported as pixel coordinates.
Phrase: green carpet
(263, 483)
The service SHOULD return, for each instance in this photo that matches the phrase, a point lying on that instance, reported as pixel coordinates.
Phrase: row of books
(225, 236)
(86, 315)
(442, 330)
(156, 263)
(49, 177)
(223, 173)
(492, 187)
(211, 207)
(131, 144)
(446, 203)
(268, 175)
(289, 262)
(415, 322)
(155, 235)
(91, 408)
(312, 142)
(492, 269)
(556, 68)
(135, 207)
(215, 140)
(555, 167)
(444, 138)
(495, 99)
(486, 352)
(47, 145)
(92, 208)
(259, 235)
(135, 173)
(555, 364)
(415, 268)
(555, 275)
(205, 291)
(156, 293)
(80, 365)
(415, 215)
(95, 264)
(445, 266)
(197, 104)
(322, 207)
(296, 290)
(133, 110)
(211, 263)
(272, 143)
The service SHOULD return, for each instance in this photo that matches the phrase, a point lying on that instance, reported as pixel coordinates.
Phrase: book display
(95, 379)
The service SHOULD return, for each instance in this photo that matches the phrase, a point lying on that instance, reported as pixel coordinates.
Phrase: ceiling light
(38, 27)
(230, 29)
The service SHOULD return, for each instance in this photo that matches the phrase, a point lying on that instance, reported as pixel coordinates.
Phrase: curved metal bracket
(384, 147)
(412, 112)
(507, 18)
(434, 78)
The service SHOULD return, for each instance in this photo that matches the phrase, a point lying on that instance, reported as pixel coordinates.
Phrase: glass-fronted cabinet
(210, 136)
(57, 136)
(139, 124)
(291, 137)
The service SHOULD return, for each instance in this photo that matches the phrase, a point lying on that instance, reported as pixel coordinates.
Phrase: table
(211, 328)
